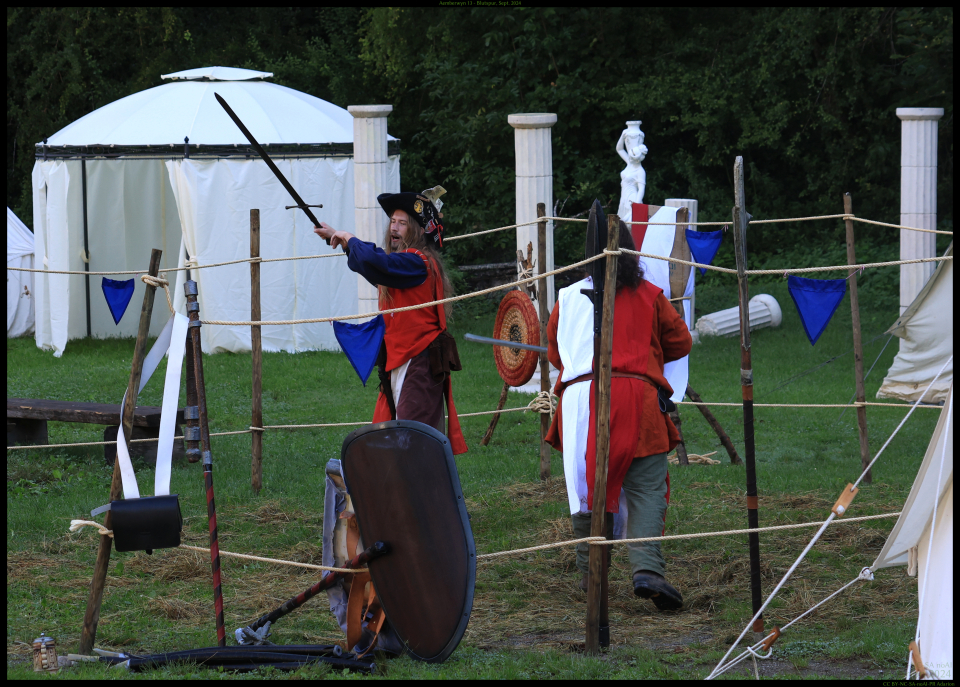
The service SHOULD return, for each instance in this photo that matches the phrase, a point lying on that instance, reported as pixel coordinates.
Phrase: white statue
(633, 179)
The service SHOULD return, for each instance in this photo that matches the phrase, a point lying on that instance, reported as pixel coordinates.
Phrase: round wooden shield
(517, 320)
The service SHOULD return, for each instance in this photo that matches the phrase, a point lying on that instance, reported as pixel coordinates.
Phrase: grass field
(528, 617)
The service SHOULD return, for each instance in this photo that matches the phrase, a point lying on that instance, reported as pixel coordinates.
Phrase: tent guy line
(837, 511)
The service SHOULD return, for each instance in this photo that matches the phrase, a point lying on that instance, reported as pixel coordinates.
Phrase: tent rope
(826, 524)
(866, 574)
(193, 265)
(157, 282)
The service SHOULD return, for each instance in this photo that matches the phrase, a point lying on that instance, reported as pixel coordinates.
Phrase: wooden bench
(27, 424)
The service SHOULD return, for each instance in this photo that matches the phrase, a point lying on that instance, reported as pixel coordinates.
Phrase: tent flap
(926, 333)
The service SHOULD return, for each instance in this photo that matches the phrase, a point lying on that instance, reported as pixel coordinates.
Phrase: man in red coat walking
(647, 333)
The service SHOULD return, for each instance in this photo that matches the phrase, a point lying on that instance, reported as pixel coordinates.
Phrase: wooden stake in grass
(88, 635)
(496, 416)
(544, 363)
(598, 621)
(746, 385)
(857, 343)
(256, 353)
(712, 421)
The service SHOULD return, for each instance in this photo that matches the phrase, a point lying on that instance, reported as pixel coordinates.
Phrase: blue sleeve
(395, 271)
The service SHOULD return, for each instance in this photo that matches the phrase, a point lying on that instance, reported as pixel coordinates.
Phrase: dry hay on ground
(533, 600)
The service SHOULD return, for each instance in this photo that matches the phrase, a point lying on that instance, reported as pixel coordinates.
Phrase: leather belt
(589, 377)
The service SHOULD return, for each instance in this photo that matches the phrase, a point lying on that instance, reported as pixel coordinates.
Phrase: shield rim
(454, 477)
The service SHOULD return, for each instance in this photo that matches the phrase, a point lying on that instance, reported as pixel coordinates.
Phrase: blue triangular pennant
(816, 300)
(361, 343)
(704, 246)
(118, 295)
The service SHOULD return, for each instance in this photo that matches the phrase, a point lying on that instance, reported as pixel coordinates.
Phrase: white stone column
(369, 181)
(692, 206)
(918, 196)
(534, 154)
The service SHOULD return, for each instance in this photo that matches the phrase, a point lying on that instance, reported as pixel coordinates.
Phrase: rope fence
(521, 282)
(537, 405)
(77, 525)
(191, 265)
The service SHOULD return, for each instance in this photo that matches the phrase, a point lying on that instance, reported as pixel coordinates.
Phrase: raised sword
(273, 168)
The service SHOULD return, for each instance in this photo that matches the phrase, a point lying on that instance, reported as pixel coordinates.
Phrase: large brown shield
(406, 492)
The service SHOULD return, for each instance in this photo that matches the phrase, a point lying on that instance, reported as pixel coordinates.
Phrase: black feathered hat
(424, 207)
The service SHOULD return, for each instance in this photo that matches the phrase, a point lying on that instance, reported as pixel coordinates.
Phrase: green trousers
(645, 488)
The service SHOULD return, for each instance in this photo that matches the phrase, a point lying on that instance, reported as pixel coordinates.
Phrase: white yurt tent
(19, 284)
(926, 328)
(922, 540)
(167, 168)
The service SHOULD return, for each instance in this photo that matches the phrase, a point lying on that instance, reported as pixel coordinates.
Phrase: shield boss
(517, 320)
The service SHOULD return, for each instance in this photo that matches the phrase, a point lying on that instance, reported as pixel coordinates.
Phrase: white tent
(166, 168)
(926, 328)
(922, 540)
(19, 284)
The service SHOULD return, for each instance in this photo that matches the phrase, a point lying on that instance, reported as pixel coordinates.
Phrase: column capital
(915, 113)
(382, 110)
(542, 120)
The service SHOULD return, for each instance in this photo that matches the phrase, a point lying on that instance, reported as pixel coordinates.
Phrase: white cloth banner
(173, 339)
(658, 240)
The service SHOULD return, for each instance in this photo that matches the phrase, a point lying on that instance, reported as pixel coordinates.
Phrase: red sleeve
(553, 351)
(675, 339)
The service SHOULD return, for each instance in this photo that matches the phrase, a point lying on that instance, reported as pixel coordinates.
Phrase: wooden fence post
(857, 343)
(746, 386)
(544, 316)
(598, 621)
(88, 635)
(256, 353)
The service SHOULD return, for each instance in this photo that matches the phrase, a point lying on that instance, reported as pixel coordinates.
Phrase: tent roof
(19, 237)
(918, 508)
(217, 74)
(164, 115)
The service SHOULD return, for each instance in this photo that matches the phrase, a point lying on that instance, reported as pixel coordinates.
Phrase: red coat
(408, 334)
(647, 332)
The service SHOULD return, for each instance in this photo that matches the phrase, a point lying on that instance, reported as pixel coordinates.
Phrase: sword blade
(502, 342)
(266, 158)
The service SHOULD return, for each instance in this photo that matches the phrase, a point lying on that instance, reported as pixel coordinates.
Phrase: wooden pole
(857, 343)
(196, 351)
(746, 386)
(598, 621)
(544, 316)
(496, 416)
(681, 447)
(712, 421)
(256, 352)
(88, 635)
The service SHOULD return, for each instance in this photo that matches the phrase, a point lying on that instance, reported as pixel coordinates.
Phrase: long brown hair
(416, 238)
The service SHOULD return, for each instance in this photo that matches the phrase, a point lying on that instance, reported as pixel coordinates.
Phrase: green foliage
(806, 95)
